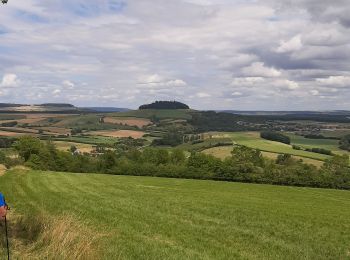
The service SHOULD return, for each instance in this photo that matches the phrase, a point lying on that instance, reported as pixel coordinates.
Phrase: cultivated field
(10, 133)
(139, 122)
(122, 217)
(253, 140)
(30, 118)
(119, 133)
(65, 146)
(225, 151)
(160, 114)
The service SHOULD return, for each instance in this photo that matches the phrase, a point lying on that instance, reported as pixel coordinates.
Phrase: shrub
(274, 136)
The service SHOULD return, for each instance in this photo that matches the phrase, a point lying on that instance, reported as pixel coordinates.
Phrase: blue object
(2, 200)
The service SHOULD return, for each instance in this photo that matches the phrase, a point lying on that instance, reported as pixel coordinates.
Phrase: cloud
(203, 95)
(68, 84)
(258, 69)
(175, 49)
(9, 80)
(157, 81)
(56, 91)
(293, 44)
(335, 81)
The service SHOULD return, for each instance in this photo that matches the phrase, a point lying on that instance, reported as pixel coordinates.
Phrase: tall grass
(47, 237)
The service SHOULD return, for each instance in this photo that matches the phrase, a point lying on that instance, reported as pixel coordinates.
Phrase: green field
(90, 139)
(223, 152)
(253, 140)
(159, 113)
(328, 144)
(155, 218)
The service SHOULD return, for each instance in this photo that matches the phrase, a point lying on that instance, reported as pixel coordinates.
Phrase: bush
(274, 136)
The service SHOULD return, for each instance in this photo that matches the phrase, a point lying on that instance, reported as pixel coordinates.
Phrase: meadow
(124, 217)
(253, 140)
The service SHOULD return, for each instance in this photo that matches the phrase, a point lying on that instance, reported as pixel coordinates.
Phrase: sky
(209, 54)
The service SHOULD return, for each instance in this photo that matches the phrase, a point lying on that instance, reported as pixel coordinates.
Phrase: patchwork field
(65, 146)
(119, 133)
(89, 139)
(30, 118)
(158, 218)
(139, 122)
(55, 130)
(10, 134)
(225, 151)
(253, 140)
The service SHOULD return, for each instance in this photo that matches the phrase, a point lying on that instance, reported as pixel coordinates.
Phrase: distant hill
(56, 105)
(164, 105)
(38, 108)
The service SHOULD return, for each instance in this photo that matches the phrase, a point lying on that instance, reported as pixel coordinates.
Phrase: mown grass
(155, 218)
(253, 140)
(328, 144)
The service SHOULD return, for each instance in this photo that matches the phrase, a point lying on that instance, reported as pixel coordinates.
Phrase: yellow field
(119, 133)
(139, 122)
(65, 146)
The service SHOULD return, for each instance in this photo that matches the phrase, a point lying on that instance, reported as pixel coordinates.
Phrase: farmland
(139, 122)
(253, 140)
(119, 133)
(65, 146)
(160, 218)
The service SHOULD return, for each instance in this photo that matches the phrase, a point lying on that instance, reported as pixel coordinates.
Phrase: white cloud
(176, 83)
(293, 44)
(335, 81)
(157, 81)
(56, 91)
(9, 80)
(258, 69)
(247, 81)
(291, 85)
(203, 95)
(68, 84)
(237, 94)
(314, 92)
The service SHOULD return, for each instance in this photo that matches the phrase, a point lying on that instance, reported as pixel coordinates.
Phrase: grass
(90, 139)
(156, 218)
(225, 151)
(206, 144)
(253, 140)
(329, 144)
(159, 113)
(66, 146)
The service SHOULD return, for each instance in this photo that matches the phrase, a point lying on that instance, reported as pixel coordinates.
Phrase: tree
(26, 146)
(345, 143)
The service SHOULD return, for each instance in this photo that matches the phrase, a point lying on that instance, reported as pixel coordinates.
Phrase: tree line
(244, 165)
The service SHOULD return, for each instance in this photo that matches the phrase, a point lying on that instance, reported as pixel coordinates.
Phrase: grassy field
(160, 114)
(66, 146)
(225, 151)
(253, 140)
(155, 218)
(328, 144)
(89, 139)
